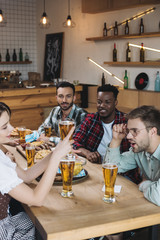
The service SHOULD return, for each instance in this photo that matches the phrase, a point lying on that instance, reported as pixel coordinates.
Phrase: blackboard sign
(53, 56)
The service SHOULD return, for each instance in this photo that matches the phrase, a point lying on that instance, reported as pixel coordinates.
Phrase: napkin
(32, 137)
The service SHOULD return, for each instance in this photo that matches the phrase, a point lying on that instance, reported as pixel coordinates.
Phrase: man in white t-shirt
(95, 132)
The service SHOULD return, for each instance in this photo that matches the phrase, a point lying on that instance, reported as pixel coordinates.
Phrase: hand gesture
(119, 132)
(65, 146)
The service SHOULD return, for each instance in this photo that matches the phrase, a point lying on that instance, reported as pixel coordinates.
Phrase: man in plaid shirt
(67, 109)
(95, 132)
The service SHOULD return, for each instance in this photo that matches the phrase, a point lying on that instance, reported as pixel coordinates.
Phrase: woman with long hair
(13, 182)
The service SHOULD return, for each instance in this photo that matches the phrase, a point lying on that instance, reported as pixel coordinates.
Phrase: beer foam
(66, 123)
(67, 160)
(109, 165)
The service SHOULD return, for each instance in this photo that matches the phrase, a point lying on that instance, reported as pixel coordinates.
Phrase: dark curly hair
(108, 88)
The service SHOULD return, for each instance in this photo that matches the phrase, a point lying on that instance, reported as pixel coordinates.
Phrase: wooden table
(86, 215)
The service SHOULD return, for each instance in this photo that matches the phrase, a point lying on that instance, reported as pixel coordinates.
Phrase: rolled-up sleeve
(125, 161)
(151, 191)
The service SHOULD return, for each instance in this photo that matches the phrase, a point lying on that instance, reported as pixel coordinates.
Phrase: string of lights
(134, 17)
(111, 74)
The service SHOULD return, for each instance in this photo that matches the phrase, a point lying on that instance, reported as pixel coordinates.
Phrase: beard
(65, 106)
(142, 146)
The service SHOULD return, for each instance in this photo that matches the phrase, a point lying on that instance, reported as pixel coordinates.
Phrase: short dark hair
(149, 115)
(108, 88)
(4, 108)
(64, 85)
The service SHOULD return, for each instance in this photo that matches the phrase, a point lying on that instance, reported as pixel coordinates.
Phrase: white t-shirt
(8, 175)
(107, 136)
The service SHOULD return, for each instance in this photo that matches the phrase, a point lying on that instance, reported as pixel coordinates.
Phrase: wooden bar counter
(28, 105)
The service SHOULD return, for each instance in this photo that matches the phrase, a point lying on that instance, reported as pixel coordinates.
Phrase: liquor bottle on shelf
(26, 57)
(142, 55)
(103, 80)
(157, 83)
(114, 53)
(125, 80)
(105, 30)
(14, 56)
(128, 54)
(126, 28)
(141, 27)
(7, 56)
(116, 29)
(20, 55)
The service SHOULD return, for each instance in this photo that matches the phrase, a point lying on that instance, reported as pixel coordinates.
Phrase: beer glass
(110, 173)
(65, 126)
(67, 169)
(22, 134)
(48, 130)
(30, 154)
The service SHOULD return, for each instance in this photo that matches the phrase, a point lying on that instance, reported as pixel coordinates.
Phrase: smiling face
(5, 127)
(141, 142)
(106, 104)
(65, 98)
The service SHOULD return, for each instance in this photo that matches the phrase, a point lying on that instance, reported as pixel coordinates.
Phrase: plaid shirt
(76, 113)
(90, 132)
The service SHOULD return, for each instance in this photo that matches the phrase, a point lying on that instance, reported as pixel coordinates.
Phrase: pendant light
(69, 23)
(1, 16)
(44, 21)
(2, 19)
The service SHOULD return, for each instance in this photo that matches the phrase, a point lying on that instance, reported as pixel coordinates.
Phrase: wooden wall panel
(30, 118)
(149, 98)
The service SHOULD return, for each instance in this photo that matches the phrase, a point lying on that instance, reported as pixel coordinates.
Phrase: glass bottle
(103, 80)
(105, 30)
(157, 83)
(0, 57)
(141, 27)
(116, 29)
(128, 54)
(20, 55)
(7, 56)
(14, 56)
(26, 57)
(126, 28)
(125, 80)
(114, 53)
(142, 55)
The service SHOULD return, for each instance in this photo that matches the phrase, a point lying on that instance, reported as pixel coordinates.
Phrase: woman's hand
(65, 146)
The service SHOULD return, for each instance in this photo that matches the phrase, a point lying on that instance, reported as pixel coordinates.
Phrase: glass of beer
(110, 173)
(48, 130)
(67, 169)
(65, 126)
(22, 134)
(30, 154)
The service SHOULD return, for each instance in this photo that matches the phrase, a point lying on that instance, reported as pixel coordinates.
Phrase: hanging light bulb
(69, 22)
(2, 19)
(44, 21)
(1, 16)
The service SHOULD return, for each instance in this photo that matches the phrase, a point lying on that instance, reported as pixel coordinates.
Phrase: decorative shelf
(134, 64)
(17, 62)
(144, 35)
